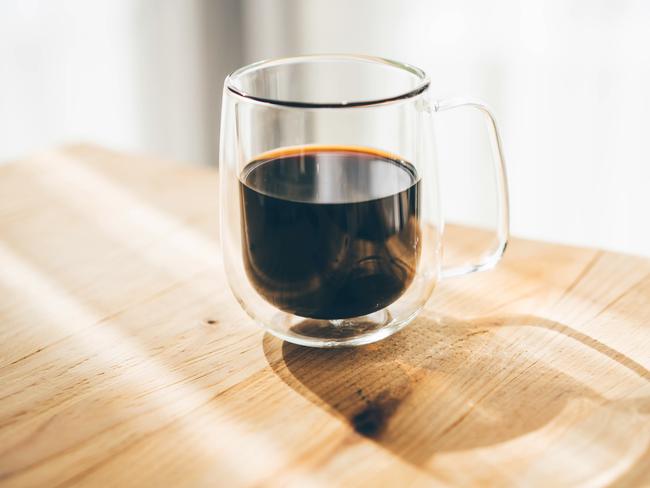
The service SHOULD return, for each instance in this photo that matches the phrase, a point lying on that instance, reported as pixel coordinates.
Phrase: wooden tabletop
(125, 361)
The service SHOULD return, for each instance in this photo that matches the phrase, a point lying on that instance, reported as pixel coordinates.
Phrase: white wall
(568, 81)
(139, 75)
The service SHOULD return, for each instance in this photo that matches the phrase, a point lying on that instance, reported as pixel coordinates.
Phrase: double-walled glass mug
(331, 226)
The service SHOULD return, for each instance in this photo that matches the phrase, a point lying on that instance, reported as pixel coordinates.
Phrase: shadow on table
(444, 385)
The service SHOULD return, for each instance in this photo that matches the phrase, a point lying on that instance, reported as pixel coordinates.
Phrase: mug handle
(493, 256)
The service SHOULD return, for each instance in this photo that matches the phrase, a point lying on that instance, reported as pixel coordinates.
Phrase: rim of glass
(421, 86)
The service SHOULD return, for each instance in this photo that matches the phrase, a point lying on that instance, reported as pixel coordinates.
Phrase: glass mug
(331, 226)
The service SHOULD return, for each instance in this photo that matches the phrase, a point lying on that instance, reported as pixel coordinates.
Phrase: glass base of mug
(355, 331)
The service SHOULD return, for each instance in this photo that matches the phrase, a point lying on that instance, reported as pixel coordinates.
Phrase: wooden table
(124, 359)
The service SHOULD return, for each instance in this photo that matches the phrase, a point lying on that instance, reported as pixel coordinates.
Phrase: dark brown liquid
(330, 232)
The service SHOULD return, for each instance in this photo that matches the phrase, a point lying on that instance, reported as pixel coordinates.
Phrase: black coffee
(330, 232)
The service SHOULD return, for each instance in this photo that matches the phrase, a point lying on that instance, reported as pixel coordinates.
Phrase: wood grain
(125, 361)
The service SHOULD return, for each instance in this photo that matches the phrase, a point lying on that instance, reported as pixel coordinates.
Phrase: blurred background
(567, 79)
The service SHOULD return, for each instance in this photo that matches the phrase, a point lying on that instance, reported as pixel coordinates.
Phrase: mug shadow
(447, 385)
